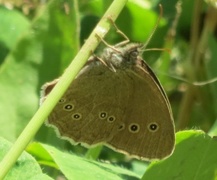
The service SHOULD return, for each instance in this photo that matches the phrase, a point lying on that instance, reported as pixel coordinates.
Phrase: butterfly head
(123, 57)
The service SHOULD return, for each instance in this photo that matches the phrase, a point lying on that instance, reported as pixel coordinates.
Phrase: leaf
(194, 158)
(40, 55)
(74, 167)
(13, 25)
(26, 166)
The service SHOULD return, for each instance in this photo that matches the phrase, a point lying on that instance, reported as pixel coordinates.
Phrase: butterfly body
(120, 104)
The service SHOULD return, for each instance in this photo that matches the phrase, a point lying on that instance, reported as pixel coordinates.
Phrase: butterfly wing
(149, 128)
(88, 111)
(126, 110)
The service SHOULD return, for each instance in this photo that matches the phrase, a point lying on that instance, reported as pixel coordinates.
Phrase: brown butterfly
(116, 100)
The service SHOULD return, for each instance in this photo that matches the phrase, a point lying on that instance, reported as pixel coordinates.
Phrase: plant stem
(197, 71)
(78, 25)
(188, 98)
(94, 152)
(35, 123)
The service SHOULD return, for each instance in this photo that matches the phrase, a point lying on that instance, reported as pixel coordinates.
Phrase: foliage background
(39, 39)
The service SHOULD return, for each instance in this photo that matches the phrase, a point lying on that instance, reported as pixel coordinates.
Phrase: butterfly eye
(76, 116)
(111, 119)
(68, 107)
(102, 115)
(62, 100)
(134, 128)
(134, 54)
(153, 127)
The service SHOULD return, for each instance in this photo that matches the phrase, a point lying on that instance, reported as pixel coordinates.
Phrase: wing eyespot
(153, 127)
(103, 115)
(134, 128)
(62, 100)
(111, 119)
(68, 107)
(76, 116)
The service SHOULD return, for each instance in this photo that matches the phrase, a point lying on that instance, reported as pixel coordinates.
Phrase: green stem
(78, 25)
(94, 152)
(187, 102)
(198, 71)
(38, 119)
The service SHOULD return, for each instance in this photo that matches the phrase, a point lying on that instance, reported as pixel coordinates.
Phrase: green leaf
(194, 158)
(13, 25)
(74, 167)
(40, 55)
(26, 166)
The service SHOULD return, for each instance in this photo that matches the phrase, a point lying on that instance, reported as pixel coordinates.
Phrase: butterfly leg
(99, 59)
(108, 45)
(111, 67)
(119, 32)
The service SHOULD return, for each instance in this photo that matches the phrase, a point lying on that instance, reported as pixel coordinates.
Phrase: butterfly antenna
(155, 27)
